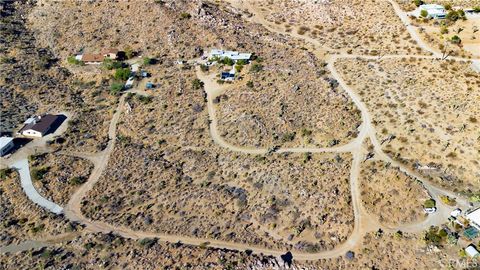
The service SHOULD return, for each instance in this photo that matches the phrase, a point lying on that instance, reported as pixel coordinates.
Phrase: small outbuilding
(6, 145)
(110, 53)
(472, 251)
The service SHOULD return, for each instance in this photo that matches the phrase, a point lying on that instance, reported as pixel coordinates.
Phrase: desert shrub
(115, 88)
(418, 2)
(185, 15)
(129, 52)
(456, 39)
(238, 68)
(4, 173)
(443, 30)
(447, 200)
(302, 30)
(305, 132)
(147, 242)
(256, 67)
(122, 74)
(75, 181)
(110, 64)
(288, 137)
(454, 15)
(433, 236)
(242, 62)
(197, 84)
(204, 68)
(227, 61)
(250, 84)
(144, 99)
(73, 61)
(424, 13)
(429, 203)
(147, 61)
(39, 173)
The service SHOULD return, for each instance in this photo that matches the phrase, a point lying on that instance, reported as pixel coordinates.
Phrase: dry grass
(23, 220)
(392, 196)
(426, 112)
(359, 26)
(290, 103)
(64, 175)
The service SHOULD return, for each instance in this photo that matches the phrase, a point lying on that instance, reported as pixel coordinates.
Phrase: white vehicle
(430, 210)
(455, 213)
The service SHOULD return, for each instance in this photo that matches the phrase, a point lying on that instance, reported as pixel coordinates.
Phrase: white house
(6, 144)
(434, 11)
(235, 56)
(38, 126)
(474, 218)
(471, 251)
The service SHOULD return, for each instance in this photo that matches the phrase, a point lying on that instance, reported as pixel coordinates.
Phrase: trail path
(363, 222)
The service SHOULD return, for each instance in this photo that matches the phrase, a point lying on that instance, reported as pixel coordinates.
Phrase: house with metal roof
(434, 11)
(234, 55)
(39, 126)
(474, 218)
(6, 144)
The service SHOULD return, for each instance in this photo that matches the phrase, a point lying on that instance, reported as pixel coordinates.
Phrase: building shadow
(55, 125)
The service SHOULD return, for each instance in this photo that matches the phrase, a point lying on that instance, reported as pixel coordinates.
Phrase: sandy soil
(424, 111)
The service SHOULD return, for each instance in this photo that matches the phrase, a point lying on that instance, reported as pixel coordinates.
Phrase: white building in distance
(434, 11)
(474, 218)
(234, 55)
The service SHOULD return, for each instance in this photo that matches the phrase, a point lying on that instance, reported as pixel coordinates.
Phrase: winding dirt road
(363, 222)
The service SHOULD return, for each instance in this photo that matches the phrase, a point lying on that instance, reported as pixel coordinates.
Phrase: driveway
(32, 194)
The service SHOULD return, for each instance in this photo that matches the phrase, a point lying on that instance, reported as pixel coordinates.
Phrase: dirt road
(363, 222)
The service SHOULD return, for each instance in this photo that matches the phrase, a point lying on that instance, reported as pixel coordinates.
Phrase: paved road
(32, 193)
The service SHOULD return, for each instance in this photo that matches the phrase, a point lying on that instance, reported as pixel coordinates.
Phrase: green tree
(197, 84)
(73, 61)
(204, 68)
(424, 13)
(147, 61)
(122, 74)
(110, 64)
(418, 2)
(456, 39)
(115, 88)
(238, 68)
(429, 203)
(129, 52)
(227, 61)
